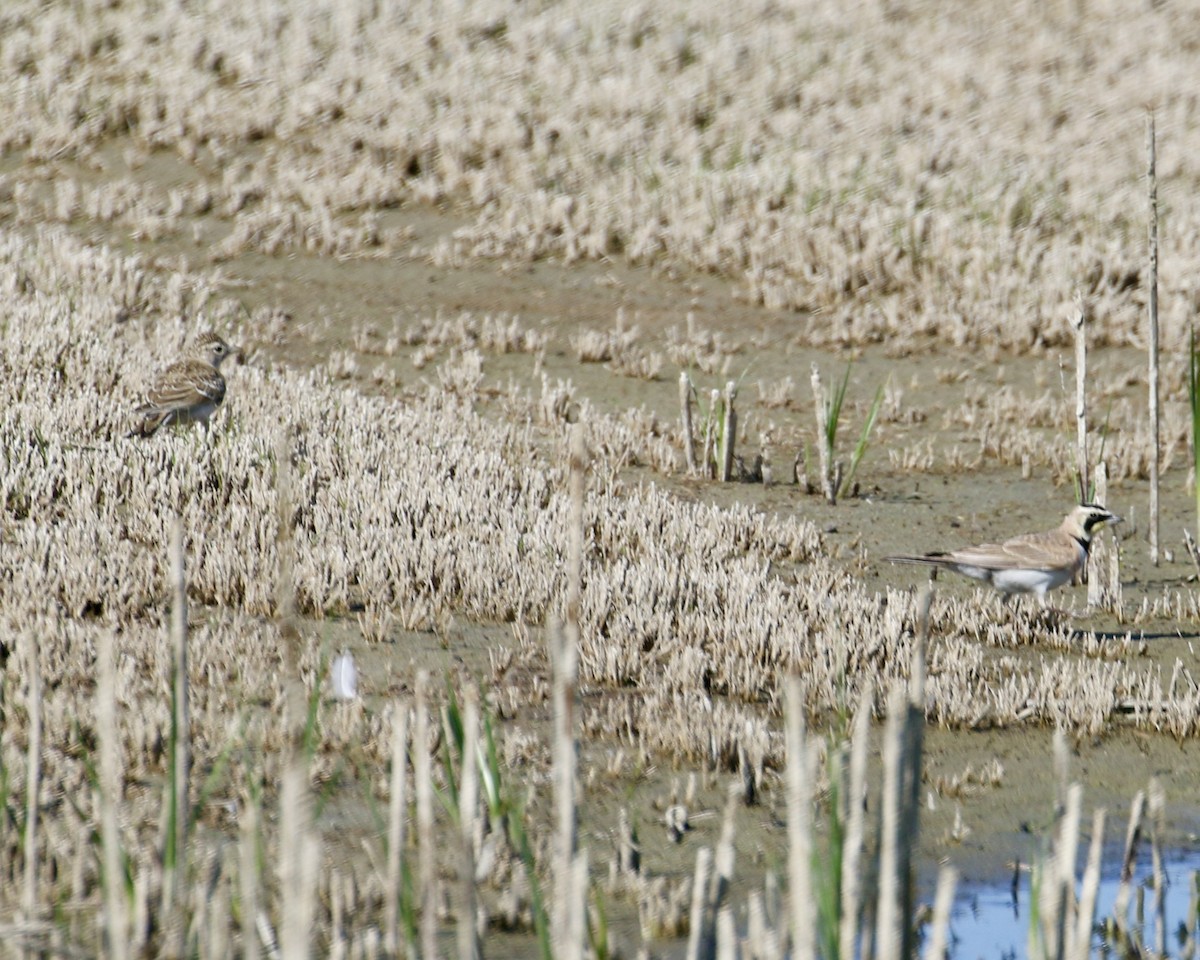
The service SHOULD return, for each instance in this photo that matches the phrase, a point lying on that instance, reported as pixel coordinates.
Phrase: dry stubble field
(441, 235)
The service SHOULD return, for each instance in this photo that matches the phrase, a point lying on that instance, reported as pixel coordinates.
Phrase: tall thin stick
(852, 846)
(116, 919)
(801, 910)
(1157, 804)
(248, 876)
(714, 401)
(685, 407)
(823, 451)
(1132, 835)
(1153, 340)
(397, 809)
(33, 778)
(564, 649)
(468, 812)
(1081, 446)
(180, 813)
(1084, 917)
(704, 859)
(423, 773)
(942, 904)
(728, 432)
(298, 855)
(1099, 588)
(890, 917)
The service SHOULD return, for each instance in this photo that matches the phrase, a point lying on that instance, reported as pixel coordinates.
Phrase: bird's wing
(186, 384)
(1035, 551)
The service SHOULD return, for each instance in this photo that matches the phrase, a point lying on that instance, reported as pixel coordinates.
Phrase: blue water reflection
(992, 923)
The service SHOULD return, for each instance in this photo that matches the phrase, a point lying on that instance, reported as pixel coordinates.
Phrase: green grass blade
(863, 439)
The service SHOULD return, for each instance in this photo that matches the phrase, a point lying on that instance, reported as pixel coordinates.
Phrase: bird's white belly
(1030, 581)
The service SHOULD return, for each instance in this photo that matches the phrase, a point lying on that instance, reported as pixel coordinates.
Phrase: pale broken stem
(704, 858)
(1058, 884)
(1086, 913)
(248, 877)
(1155, 412)
(714, 401)
(722, 876)
(177, 870)
(285, 547)
(1079, 321)
(685, 408)
(298, 862)
(939, 935)
(728, 432)
(801, 907)
(397, 811)
(426, 856)
(1099, 588)
(824, 454)
(1132, 835)
(33, 778)
(564, 656)
(852, 846)
(116, 919)
(1157, 805)
(468, 810)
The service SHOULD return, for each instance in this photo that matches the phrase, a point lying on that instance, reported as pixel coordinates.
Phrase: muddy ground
(895, 511)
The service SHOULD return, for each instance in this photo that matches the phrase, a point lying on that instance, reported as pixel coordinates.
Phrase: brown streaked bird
(1032, 563)
(188, 391)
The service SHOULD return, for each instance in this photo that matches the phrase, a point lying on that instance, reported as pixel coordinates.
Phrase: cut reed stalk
(1085, 915)
(179, 813)
(891, 918)
(855, 819)
(1155, 412)
(397, 816)
(1132, 835)
(248, 875)
(285, 545)
(801, 904)
(116, 919)
(728, 432)
(824, 451)
(33, 781)
(704, 859)
(298, 855)
(426, 855)
(1079, 322)
(564, 655)
(939, 935)
(468, 812)
(1100, 588)
(706, 459)
(685, 407)
(1157, 807)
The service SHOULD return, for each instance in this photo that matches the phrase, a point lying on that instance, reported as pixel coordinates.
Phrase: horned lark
(1033, 563)
(188, 391)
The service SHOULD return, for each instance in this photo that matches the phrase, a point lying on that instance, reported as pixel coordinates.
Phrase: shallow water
(993, 922)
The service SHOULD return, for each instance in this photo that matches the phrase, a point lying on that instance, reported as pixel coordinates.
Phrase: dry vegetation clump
(786, 149)
(420, 505)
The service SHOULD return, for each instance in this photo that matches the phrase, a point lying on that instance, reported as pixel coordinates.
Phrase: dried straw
(1152, 340)
(33, 782)
(728, 432)
(397, 817)
(800, 783)
(426, 852)
(116, 921)
(685, 407)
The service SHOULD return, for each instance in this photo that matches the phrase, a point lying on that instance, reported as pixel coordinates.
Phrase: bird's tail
(146, 420)
(925, 560)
